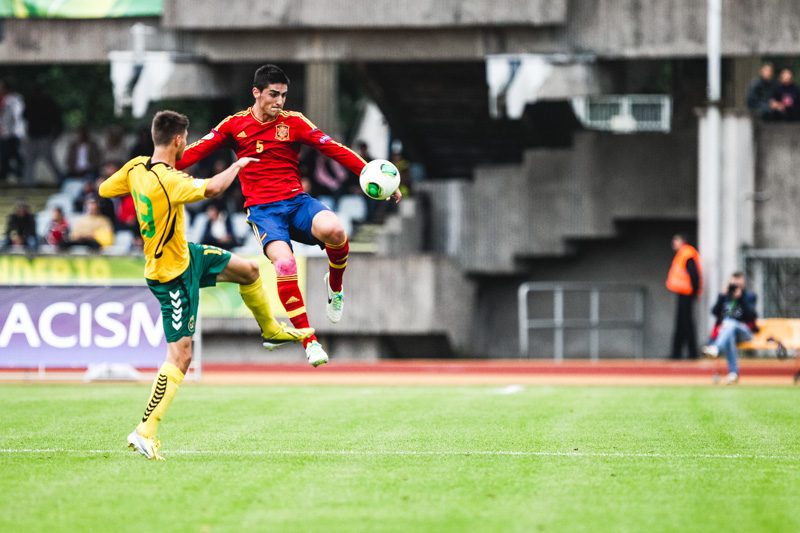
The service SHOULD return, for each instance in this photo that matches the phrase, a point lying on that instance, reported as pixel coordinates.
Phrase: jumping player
(277, 208)
(176, 270)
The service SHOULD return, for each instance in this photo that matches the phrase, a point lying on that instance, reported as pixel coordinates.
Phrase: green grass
(403, 459)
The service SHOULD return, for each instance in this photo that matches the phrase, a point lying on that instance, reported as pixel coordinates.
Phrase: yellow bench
(778, 335)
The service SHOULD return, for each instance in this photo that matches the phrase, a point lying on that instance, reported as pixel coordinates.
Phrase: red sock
(337, 262)
(289, 293)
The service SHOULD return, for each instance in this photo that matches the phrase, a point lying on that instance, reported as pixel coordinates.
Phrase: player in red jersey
(277, 208)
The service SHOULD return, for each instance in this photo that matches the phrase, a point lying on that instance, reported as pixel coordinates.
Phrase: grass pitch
(403, 459)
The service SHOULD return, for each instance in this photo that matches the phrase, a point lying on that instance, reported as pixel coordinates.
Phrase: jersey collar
(261, 121)
(150, 163)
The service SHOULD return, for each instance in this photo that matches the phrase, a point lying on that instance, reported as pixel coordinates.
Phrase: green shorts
(180, 297)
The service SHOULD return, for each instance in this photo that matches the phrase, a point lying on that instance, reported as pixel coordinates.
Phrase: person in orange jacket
(685, 279)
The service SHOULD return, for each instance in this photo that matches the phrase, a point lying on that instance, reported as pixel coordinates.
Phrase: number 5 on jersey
(259, 146)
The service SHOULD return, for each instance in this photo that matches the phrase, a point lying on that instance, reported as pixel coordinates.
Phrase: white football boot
(147, 447)
(335, 302)
(315, 354)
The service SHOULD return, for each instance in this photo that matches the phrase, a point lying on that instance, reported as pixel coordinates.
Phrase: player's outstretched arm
(201, 148)
(217, 184)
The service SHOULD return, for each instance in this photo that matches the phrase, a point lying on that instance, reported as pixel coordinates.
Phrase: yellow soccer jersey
(159, 192)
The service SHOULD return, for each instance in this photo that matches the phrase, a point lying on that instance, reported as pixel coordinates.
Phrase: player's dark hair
(268, 74)
(166, 125)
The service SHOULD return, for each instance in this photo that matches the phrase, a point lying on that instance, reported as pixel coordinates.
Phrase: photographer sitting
(735, 312)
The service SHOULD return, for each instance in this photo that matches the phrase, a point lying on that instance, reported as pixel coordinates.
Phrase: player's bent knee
(337, 235)
(333, 233)
(286, 267)
(251, 273)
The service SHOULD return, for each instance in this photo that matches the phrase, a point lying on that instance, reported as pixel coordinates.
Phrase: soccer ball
(379, 179)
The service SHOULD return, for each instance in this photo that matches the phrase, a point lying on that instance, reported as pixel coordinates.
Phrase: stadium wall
(415, 30)
(417, 302)
(362, 14)
(777, 187)
(559, 196)
(639, 255)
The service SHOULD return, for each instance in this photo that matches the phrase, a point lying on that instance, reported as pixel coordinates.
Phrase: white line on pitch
(412, 453)
(511, 389)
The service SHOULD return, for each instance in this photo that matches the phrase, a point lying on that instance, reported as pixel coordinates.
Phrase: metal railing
(593, 323)
(625, 113)
(774, 276)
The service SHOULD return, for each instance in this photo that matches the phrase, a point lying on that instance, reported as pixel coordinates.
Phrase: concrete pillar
(725, 211)
(322, 96)
(709, 209)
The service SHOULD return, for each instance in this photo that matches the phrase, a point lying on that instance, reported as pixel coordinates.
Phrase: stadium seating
(351, 210)
(241, 229)
(353, 207)
(122, 243)
(72, 187)
(195, 231)
(327, 200)
(62, 200)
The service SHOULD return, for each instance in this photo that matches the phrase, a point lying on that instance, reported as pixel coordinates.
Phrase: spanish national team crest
(282, 132)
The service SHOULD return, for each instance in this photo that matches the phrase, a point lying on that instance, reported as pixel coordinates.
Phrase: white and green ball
(379, 179)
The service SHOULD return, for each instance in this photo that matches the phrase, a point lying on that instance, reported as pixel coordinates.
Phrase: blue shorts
(287, 220)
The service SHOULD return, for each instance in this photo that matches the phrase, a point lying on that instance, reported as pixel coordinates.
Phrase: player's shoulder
(139, 161)
(237, 117)
(169, 172)
(296, 116)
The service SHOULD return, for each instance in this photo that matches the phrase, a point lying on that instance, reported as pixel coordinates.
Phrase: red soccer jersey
(276, 143)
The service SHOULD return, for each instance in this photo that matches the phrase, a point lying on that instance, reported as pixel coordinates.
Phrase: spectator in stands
(21, 228)
(93, 229)
(785, 102)
(126, 220)
(195, 208)
(685, 279)
(107, 207)
(363, 150)
(351, 184)
(143, 144)
(45, 124)
(90, 188)
(115, 148)
(57, 229)
(232, 200)
(219, 229)
(329, 178)
(12, 131)
(403, 166)
(83, 156)
(735, 314)
(760, 92)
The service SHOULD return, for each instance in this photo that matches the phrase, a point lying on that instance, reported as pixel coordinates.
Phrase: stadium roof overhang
(516, 80)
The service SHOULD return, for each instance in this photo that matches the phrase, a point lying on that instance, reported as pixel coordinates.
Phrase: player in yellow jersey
(176, 270)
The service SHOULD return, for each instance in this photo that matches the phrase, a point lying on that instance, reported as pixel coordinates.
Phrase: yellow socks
(165, 386)
(256, 300)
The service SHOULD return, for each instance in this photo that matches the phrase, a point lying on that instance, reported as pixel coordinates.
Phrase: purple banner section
(69, 327)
